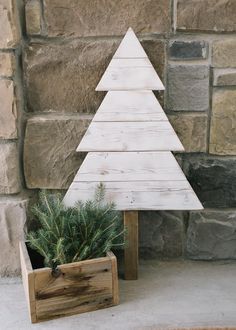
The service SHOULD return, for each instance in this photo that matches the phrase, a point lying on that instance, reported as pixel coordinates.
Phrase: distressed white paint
(130, 74)
(130, 106)
(134, 134)
(139, 195)
(138, 116)
(130, 47)
(130, 136)
(129, 166)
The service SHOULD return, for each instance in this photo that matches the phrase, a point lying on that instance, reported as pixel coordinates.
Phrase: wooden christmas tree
(129, 144)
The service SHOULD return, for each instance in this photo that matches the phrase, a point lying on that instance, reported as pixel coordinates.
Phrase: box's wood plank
(24, 257)
(130, 106)
(130, 74)
(130, 136)
(80, 287)
(115, 283)
(28, 280)
(139, 195)
(131, 248)
(70, 306)
(133, 166)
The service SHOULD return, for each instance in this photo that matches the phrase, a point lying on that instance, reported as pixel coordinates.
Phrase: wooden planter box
(76, 288)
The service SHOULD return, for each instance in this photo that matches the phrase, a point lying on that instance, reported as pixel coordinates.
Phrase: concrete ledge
(168, 295)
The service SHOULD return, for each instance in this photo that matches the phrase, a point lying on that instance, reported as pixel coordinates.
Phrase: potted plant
(67, 264)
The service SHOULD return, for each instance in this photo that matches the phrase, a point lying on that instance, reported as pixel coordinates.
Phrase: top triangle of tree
(130, 68)
(130, 47)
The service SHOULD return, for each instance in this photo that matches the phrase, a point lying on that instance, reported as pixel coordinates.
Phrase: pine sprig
(67, 235)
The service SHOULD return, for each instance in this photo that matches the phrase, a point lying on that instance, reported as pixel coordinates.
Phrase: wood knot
(56, 272)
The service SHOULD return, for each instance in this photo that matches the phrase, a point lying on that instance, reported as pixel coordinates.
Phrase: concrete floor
(167, 294)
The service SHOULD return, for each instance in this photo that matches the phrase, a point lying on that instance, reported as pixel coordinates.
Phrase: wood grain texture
(139, 195)
(130, 68)
(130, 106)
(130, 136)
(81, 287)
(129, 166)
(28, 281)
(78, 287)
(131, 248)
(130, 47)
(130, 74)
(115, 283)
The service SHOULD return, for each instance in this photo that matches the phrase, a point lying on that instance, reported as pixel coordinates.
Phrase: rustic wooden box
(78, 287)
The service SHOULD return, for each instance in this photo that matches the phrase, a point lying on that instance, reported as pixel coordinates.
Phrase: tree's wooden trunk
(131, 248)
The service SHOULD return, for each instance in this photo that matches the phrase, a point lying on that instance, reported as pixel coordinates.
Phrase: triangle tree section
(130, 141)
(130, 47)
(130, 106)
(135, 181)
(130, 68)
(130, 121)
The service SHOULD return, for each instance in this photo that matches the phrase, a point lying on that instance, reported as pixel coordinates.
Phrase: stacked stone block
(12, 204)
(65, 50)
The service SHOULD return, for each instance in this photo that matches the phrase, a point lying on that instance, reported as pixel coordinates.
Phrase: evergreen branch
(86, 231)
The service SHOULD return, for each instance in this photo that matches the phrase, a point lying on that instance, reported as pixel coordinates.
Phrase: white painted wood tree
(129, 144)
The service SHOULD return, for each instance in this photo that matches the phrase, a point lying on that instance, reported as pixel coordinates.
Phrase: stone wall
(13, 198)
(52, 55)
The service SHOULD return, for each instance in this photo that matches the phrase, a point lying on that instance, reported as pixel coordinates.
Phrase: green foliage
(67, 235)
